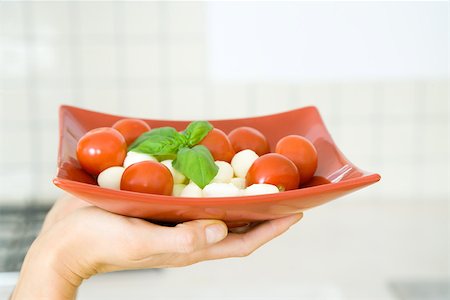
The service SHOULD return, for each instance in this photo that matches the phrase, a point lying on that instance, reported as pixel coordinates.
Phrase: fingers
(62, 207)
(186, 237)
(239, 245)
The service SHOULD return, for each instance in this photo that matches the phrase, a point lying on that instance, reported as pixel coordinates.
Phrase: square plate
(335, 175)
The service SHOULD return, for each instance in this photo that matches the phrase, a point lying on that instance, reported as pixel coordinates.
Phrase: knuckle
(187, 242)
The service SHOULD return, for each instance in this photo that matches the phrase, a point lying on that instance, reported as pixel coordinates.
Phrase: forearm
(47, 271)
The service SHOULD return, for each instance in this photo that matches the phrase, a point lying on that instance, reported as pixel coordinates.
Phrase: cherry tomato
(274, 169)
(243, 138)
(219, 145)
(131, 129)
(147, 177)
(302, 153)
(100, 149)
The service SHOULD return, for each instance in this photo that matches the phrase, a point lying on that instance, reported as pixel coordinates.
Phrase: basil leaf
(197, 164)
(196, 132)
(158, 145)
(168, 132)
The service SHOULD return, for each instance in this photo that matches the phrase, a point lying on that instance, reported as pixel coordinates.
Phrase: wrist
(50, 269)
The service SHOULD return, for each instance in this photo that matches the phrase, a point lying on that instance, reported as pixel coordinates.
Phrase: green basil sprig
(195, 162)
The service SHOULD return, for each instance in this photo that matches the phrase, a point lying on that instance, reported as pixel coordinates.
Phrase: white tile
(400, 98)
(357, 99)
(49, 100)
(228, 101)
(142, 18)
(186, 60)
(398, 139)
(96, 18)
(15, 185)
(356, 142)
(186, 18)
(12, 19)
(271, 98)
(20, 147)
(187, 102)
(98, 62)
(14, 105)
(103, 100)
(319, 95)
(398, 181)
(14, 57)
(435, 178)
(434, 138)
(48, 147)
(47, 192)
(53, 64)
(51, 20)
(436, 100)
(144, 103)
(142, 61)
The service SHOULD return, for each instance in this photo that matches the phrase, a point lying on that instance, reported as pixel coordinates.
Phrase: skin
(78, 241)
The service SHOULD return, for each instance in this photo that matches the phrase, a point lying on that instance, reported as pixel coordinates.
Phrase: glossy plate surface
(335, 175)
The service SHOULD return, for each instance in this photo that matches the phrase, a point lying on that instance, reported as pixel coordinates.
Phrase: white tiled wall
(149, 59)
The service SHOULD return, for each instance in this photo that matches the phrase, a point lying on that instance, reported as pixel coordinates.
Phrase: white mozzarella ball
(242, 161)
(191, 190)
(225, 172)
(260, 189)
(178, 177)
(178, 189)
(220, 190)
(111, 177)
(238, 182)
(135, 157)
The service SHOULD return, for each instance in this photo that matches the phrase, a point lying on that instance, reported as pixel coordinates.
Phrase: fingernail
(214, 233)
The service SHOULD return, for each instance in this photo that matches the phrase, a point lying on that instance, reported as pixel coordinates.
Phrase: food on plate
(219, 145)
(100, 149)
(200, 161)
(111, 177)
(131, 129)
(242, 161)
(220, 190)
(260, 189)
(276, 169)
(243, 138)
(225, 172)
(191, 190)
(135, 157)
(147, 177)
(301, 152)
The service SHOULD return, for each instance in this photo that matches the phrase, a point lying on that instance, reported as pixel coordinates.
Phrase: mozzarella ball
(220, 190)
(238, 182)
(225, 172)
(110, 178)
(178, 177)
(242, 161)
(135, 157)
(191, 190)
(260, 189)
(178, 189)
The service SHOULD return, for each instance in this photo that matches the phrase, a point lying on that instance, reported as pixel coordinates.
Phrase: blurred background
(377, 71)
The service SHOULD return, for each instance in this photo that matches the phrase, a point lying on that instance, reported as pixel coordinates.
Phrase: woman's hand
(79, 240)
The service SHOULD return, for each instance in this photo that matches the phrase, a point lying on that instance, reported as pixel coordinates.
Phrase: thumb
(193, 235)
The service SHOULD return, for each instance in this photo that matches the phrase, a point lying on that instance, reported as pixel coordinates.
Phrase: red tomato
(100, 149)
(274, 169)
(302, 153)
(243, 138)
(147, 177)
(131, 129)
(219, 145)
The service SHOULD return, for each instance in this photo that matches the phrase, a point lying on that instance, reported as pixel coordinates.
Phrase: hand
(79, 241)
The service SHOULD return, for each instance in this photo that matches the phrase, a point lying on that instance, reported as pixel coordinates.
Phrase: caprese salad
(201, 161)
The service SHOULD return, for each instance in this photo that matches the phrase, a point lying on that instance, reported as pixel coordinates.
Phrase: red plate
(335, 176)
